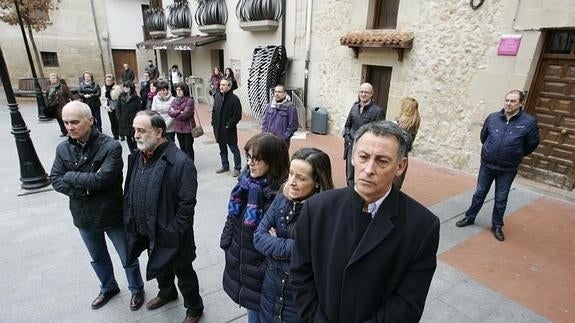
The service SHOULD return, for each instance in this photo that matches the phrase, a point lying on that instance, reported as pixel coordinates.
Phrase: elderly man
(280, 116)
(507, 136)
(88, 168)
(226, 114)
(363, 111)
(366, 253)
(127, 74)
(159, 202)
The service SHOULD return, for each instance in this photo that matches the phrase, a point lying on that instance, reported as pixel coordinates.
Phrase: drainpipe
(284, 23)
(309, 6)
(98, 37)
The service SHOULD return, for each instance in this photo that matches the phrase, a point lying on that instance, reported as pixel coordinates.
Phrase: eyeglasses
(366, 92)
(250, 159)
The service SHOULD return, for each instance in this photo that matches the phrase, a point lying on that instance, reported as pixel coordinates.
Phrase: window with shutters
(385, 14)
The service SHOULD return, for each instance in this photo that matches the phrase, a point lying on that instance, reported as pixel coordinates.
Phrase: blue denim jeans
(253, 316)
(95, 242)
(503, 181)
(224, 155)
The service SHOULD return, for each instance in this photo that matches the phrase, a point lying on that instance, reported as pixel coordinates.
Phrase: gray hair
(385, 128)
(156, 120)
(82, 107)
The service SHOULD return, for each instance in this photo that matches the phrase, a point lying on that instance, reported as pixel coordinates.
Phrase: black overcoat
(170, 202)
(126, 109)
(381, 274)
(226, 114)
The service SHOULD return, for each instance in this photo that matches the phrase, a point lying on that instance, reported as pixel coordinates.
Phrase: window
(50, 59)
(560, 42)
(385, 14)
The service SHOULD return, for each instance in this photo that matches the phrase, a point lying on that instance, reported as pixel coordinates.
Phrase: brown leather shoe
(103, 298)
(137, 301)
(192, 319)
(157, 302)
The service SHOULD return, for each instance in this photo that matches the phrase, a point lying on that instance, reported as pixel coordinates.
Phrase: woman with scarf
(309, 173)
(128, 105)
(268, 163)
(408, 120)
(90, 93)
(229, 74)
(161, 104)
(112, 92)
(215, 79)
(151, 94)
(182, 111)
(57, 95)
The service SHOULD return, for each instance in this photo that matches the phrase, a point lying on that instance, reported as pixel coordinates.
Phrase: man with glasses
(226, 114)
(363, 111)
(280, 116)
(159, 201)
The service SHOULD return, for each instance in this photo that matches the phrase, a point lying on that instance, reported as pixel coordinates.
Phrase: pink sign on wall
(509, 45)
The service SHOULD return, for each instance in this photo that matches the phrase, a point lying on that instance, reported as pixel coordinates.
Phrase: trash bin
(319, 121)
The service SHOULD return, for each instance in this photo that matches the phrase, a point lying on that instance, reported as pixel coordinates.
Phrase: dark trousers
(114, 123)
(224, 155)
(97, 118)
(61, 123)
(188, 285)
(503, 181)
(349, 169)
(171, 136)
(186, 142)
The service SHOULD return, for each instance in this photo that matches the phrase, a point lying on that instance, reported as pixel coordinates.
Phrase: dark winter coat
(505, 143)
(127, 107)
(356, 119)
(58, 100)
(128, 76)
(280, 119)
(169, 205)
(144, 90)
(182, 111)
(245, 266)
(94, 91)
(226, 114)
(348, 267)
(92, 177)
(277, 297)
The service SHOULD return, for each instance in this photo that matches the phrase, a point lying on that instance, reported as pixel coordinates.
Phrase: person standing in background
(408, 120)
(175, 78)
(57, 95)
(215, 79)
(128, 105)
(182, 111)
(226, 114)
(229, 74)
(152, 70)
(161, 104)
(144, 89)
(112, 93)
(90, 93)
(280, 116)
(128, 75)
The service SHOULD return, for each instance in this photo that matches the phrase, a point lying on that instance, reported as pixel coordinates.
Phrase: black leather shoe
(157, 302)
(103, 298)
(464, 222)
(137, 301)
(498, 233)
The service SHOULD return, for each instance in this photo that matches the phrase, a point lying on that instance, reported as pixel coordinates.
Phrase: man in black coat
(226, 114)
(88, 168)
(159, 202)
(128, 75)
(363, 111)
(366, 253)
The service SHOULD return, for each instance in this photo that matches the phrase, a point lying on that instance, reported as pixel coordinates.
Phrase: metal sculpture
(254, 10)
(211, 12)
(180, 16)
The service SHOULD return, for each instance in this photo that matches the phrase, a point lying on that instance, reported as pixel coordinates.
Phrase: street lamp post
(37, 87)
(32, 175)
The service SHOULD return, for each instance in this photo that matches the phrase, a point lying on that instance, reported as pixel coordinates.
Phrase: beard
(147, 145)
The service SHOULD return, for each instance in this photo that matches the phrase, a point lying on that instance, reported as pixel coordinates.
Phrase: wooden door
(380, 78)
(552, 101)
(121, 57)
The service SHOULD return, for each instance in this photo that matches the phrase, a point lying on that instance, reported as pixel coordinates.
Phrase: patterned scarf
(53, 89)
(249, 193)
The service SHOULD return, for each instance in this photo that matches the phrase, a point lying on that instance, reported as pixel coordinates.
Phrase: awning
(180, 43)
(382, 38)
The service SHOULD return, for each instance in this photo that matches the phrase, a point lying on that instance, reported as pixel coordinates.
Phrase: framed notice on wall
(508, 45)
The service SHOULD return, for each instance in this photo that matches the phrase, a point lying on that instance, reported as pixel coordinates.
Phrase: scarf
(151, 95)
(249, 194)
(53, 89)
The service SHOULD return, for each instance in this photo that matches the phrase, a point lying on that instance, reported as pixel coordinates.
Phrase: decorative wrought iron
(211, 12)
(155, 20)
(254, 10)
(267, 70)
(180, 16)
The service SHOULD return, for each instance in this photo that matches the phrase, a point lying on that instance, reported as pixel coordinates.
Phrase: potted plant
(211, 16)
(180, 18)
(259, 15)
(155, 22)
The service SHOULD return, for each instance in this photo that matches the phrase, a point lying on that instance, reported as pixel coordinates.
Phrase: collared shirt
(373, 207)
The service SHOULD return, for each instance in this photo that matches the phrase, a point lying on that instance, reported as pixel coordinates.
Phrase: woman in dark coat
(268, 163)
(90, 93)
(310, 172)
(182, 111)
(128, 105)
(57, 95)
(229, 74)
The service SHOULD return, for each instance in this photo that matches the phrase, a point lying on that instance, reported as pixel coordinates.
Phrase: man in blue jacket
(280, 116)
(507, 136)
